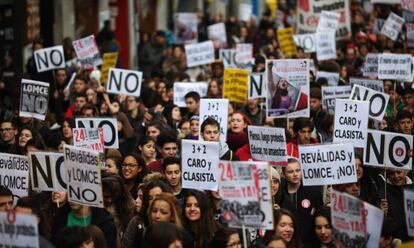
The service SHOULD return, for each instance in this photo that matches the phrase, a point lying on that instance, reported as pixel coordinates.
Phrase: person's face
(60, 77)
(131, 103)
(405, 125)
(192, 105)
(211, 133)
(59, 197)
(153, 132)
(91, 96)
(130, 168)
(383, 124)
(169, 150)
(7, 132)
(152, 193)
(110, 166)
(395, 97)
(214, 89)
(284, 228)
(25, 135)
(276, 244)
(6, 203)
(138, 201)
(176, 244)
(292, 173)
(79, 86)
(385, 243)
(352, 189)
(161, 88)
(315, 104)
(192, 210)
(87, 112)
(274, 186)
(398, 177)
(148, 149)
(304, 135)
(161, 212)
(67, 130)
(359, 168)
(237, 124)
(80, 102)
(103, 108)
(408, 100)
(234, 241)
(173, 174)
(323, 230)
(176, 114)
(194, 127)
(185, 127)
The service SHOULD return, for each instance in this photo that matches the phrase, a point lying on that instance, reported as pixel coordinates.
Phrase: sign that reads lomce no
(109, 126)
(47, 171)
(126, 82)
(199, 160)
(199, 53)
(327, 164)
(84, 176)
(49, 58)
(377, 100)
(34, 99)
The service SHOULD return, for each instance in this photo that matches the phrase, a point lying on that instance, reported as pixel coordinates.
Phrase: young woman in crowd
(146, 148)
(286, 228)
(226, 237)
(237, 134)
(133, 171)
(67, 126)
(324, 236)
(113, 165)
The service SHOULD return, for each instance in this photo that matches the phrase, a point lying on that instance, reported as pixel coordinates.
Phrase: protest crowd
(232, 132)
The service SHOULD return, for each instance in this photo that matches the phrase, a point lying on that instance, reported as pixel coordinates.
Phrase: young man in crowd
(405, 122)
(6, 199)
(302, 128)
(8, 133)
(171, 167)
(192, 102)
(168, 146)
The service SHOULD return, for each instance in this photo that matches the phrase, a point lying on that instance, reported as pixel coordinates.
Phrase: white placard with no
(47, 171)
(109, 126)
(378, 101)
(392, 26)
(256, 86)
(49, 58)
(306, 41)
(124, 82)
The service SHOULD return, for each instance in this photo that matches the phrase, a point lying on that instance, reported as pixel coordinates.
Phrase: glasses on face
(209, 132)
(129, 165)
(6, 129)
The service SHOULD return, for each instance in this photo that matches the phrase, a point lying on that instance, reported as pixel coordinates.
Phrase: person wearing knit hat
(275, 187)
(194, 128)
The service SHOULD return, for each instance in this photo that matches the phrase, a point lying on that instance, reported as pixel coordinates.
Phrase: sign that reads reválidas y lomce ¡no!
(84, 176)
(47, 171)
(199, 161)
(34, 99)
(327, 164)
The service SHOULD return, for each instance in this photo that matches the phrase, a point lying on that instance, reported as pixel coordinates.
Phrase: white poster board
(394, 66)
(306, 41)
(124, 82)
(47, 171)
(245, 12)
(371, 65)
(256, 86)
(392, 26)
(87, 52)
(19, 230)
(374, 84)
(409, 211)
(325, 45)
(14, 174)
(331, 93)
(217, 33)
(182, 88)
(109, 126)
(185, 28)
(328, 20)
(268, 144)
(49, 58)
(34, 99)
(331, 77)
(217, 109)
(378, 101)
(199, 53)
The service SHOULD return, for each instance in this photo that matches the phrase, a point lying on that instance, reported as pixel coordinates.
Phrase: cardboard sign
(256, 86)
(47, 171)
(199, 53)
(14, 174)
(377, 85)
(325, 45)
(409, 211)
(181, 89)
(84, 176)
(331, 77)
(109, 61)
(331, 93)
(371, 65)
(217, 109)
(348, 219)
(351, 122)
(87, 51)
(34, 99)
(268, 144)
(410, 34)
(374, 217)
(393, 150)
(126, 82)
(328, 20)
(392, 26)
(240, 194)
(244, 53)
(327, 164)
(49, 58)
(287, 88)
(19, 230)
(228, 57)
(286, 42)
(185, 28)
(245, 12)
(235, 85)
(199, 160)
(407, 5)
(309, 12)
(217, 33)
(378, 101)
(109, 126)
(306, 41)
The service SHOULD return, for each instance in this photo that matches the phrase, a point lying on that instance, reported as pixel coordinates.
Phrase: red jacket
(292, 147)
(244, 153)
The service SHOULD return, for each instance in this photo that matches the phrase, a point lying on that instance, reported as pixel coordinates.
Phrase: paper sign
(14, 174)
(49, 58)
(126, 82)
(199, 161)
(257, 86)
(377, 85)
(378, 101)
(392, 26)
(181, 89)
(34, 99)
(235, 85)
(287, 88)
(228, 57)
(109, 61)
(386, 1)
(268, 144)
(351, 122)
(331, 93)
(185, 28)
(327, 164)
(87, 51)
(217, 109)
(199, 53)
(217, 33)
(245, 12)
(408, 16)
(19, 230)
(328, 20)
(109, 126)
(393, 150)
(91, 138)
(325, 45)
(409, 211)
(286, 42)
(84, 176)
(244, 53)
(407, 5)
(47, 171)
(306, 41)
(371, 65)
(375, 217)
(331, 77)
(410, 34)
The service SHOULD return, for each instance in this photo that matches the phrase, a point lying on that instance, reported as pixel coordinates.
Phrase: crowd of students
(145, 205)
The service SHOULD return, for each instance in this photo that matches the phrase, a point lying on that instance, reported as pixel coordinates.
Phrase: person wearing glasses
(8, 134)
(133, 171)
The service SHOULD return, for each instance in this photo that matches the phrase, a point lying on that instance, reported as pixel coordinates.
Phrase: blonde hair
(172, 201)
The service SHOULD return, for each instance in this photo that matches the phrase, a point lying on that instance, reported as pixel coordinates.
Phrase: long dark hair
(145, 196)
(138, 179)
(277, 215)
(320, 212)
